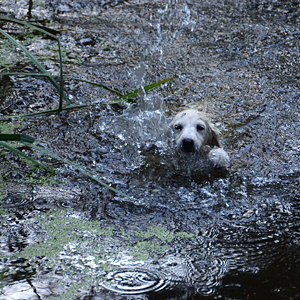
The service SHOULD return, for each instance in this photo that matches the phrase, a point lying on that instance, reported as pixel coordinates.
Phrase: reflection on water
(190, 231)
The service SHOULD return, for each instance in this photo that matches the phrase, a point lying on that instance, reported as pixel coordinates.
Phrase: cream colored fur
(194, 133)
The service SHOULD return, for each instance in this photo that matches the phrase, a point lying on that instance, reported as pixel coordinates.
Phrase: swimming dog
(195, 134)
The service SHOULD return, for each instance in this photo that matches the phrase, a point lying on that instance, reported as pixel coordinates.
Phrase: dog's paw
(219, 158)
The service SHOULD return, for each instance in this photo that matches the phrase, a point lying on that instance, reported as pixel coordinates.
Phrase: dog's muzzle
(188, 145)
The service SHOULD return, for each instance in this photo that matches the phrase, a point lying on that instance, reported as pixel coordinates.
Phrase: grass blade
(96, 84)
(16, 138)
(68, 77)
(12, 149)
(135, 92)
(156, 84)
(118, 101)
(23, 74)
(40, 66)
(51, 111)
(79, 168)
(49, 31)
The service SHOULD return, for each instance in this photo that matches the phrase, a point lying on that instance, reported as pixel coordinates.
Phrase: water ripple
(133, 281)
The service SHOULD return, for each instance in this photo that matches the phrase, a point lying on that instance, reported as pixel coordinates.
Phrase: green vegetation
(158, 232)
(66, 241)
(64, 101)
(63, 228)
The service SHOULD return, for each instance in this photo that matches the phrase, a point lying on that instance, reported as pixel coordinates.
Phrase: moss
(9, 127)
(62, 228)
(184, 235)
(159, 232)
(69, 295)
(146, 249)
(67, 242)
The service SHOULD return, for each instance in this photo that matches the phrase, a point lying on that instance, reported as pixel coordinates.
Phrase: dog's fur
(195, 134)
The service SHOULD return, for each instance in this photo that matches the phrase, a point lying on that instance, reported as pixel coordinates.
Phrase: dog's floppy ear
(213, 139)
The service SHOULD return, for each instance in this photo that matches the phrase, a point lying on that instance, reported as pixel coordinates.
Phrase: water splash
(141, 126)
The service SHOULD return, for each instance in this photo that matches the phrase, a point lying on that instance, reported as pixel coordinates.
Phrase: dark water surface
(187, 232)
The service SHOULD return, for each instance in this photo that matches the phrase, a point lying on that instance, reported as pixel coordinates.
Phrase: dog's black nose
(188, 145)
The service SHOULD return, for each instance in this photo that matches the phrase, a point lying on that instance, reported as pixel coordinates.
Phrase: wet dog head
(193, 131)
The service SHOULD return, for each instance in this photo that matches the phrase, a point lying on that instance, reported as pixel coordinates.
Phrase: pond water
(186, 231)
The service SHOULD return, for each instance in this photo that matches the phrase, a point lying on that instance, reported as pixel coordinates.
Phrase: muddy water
(187, 232)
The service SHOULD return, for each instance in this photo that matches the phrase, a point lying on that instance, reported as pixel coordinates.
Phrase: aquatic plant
(23, 139)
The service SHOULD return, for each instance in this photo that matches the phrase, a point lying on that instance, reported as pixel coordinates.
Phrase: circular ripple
(133, 282)
(14, 199)
(66, 203)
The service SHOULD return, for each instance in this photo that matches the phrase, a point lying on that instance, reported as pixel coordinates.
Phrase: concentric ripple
(133, 281)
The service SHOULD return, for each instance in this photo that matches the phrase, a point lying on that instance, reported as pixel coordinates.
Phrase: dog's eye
(178, 127)
(200, 127)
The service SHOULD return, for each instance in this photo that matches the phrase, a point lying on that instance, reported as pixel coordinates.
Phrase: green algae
(61, 228)
(85, 251)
